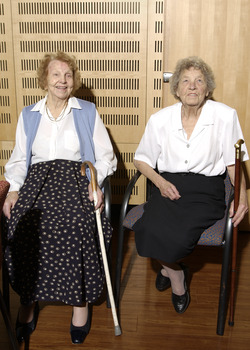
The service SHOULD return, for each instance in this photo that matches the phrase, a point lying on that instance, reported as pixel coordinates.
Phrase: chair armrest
(229, 188)
(107, 196)
(127, 195)
(228, 230)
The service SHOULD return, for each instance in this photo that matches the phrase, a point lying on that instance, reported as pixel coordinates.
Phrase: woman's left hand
(100, 198)
(240, 213)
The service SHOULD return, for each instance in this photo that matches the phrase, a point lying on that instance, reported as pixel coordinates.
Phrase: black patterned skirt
(51, 243)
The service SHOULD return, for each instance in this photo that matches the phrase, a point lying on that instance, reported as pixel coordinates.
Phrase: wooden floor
(148, 320)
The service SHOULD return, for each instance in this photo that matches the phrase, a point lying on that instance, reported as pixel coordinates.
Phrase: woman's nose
(63, 78)
(192, 85)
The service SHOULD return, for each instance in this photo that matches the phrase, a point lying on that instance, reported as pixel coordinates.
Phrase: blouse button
(188, 145)
(186, 161)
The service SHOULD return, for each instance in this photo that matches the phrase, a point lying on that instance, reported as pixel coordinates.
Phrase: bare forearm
(148, 172)
(166, 188)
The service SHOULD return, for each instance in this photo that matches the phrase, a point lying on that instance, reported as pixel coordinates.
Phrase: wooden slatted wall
(119, 49)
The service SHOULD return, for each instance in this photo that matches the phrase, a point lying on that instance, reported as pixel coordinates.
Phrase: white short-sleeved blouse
(209, 149)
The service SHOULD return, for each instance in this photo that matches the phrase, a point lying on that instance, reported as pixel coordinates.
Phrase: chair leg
(119, 265)
(5, 274)
(223, 298)
(6, 289)
(8, 324)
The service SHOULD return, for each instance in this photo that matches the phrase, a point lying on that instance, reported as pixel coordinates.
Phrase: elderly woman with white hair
(185, 151)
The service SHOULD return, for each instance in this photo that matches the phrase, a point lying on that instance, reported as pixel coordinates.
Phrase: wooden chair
(4, 187)
(220, 234)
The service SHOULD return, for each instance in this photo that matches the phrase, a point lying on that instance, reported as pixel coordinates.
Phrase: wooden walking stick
(102, 245)
(235, 229)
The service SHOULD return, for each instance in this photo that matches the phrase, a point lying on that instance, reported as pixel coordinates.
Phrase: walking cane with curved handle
(235, 229)
(102, 245)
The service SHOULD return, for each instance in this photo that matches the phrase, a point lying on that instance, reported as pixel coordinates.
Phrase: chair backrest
(4, 187)
(214, 235)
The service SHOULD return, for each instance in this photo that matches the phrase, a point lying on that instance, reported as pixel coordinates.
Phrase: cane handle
(92, 173)
(238, 148)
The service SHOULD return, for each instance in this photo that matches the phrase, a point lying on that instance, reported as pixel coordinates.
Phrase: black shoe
(181, 302)
(78, 334)
(162, 283)
(24, 330)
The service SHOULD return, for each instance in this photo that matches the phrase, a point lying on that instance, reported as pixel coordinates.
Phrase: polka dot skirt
(52, 246)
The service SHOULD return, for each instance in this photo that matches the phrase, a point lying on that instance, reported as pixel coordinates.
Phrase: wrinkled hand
(240, 213)
(9, 203)
(169, 190)
(100, 198)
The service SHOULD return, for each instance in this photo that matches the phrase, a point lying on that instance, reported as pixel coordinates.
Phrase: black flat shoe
(181, 302)
(162, 283)
(78, 334)
(24, 330)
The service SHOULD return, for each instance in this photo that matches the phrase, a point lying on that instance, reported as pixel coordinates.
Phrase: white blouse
(209, 149)
(57, 139)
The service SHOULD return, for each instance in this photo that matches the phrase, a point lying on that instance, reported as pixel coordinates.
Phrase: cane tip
(231, 323)
(118, 330)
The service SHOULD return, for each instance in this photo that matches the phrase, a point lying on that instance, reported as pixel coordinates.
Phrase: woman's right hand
(9, 203)
(168, 190)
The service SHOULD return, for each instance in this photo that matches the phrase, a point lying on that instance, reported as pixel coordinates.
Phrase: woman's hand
(240, 213)
(9, 203)
(100, 198)
(168, 190)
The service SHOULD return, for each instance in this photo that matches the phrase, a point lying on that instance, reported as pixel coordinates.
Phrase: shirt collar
(206, 117)
(40, 105)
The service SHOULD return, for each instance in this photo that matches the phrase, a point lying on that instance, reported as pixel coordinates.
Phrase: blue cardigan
(84, 120)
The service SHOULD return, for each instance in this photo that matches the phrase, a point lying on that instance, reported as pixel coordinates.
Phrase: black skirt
(169, 230)
(51, 244)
